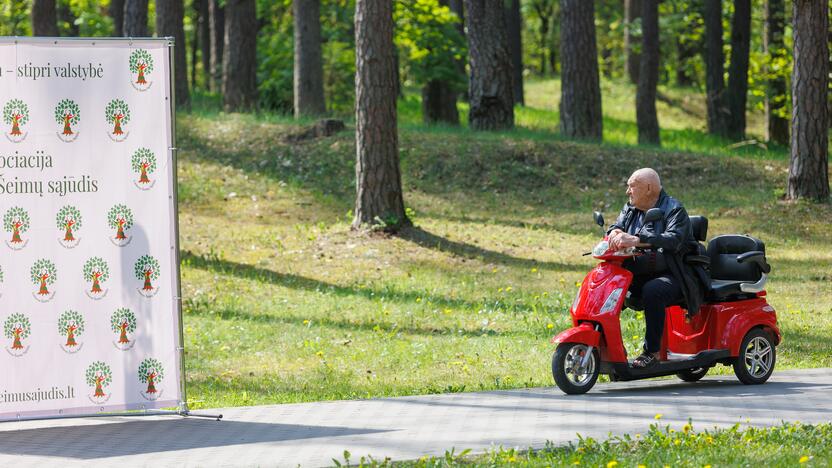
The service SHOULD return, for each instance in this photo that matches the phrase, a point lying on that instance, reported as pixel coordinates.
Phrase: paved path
(311, 434)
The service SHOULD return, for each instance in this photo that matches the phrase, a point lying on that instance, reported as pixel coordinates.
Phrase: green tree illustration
(142, 63)
(43, 272)
(151, 372)
(16, 221)
(144, 162)
(17, 328)
(147, 268)
(1, 273)
(67, 113)
(117, 113)
(120, 218)
(100, 375)
(97, 271)
(123, 321)
(68, 218)
(15, 113)
(70, 325)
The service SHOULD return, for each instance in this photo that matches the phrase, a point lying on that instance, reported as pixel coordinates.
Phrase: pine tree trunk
(714, 67)
(580, 103)
(378, 178)
(632, 12)
(686, 51)
(648, 122)
(169, 22)
(777, 126)
(514, 26)
(116, 12)
(216, 13)
(44, 18)
(205, 42)
(809, 165)
(737, 91)
(239, 69)
(309, 71)
(458, 8)
(490, 86)
(439, 103)
(135, 18)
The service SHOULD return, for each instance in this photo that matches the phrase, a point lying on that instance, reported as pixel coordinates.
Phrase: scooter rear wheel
(569, 375)
(755, 362)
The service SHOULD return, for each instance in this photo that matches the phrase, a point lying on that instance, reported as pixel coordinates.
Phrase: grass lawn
(283, 303)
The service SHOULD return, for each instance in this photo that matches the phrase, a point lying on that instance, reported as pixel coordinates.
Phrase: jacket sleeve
(621, 221)
(677, 224)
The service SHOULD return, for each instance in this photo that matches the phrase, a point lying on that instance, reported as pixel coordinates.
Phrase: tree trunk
(514, 26)
(135, 18)
(239, 70)
(67, 18)
(439, 103)
(216, 12)
(378, 178)
(648, 122)
(714, 67)
(44, 18)
(490, 85)
(169, 18)
(544, 41)
(809, 165)
(458, 8)
(777, 126)
(580, 102)
(632, 59)
(205, 41)
(309, 71)
(686, 50)
(116, 12)
(738, 70)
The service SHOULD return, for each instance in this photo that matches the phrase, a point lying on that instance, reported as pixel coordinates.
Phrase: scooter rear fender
(584, 333)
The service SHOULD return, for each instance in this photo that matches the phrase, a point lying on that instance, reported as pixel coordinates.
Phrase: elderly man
(660, 277)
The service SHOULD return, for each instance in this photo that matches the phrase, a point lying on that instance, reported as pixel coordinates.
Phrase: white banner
(88, 277)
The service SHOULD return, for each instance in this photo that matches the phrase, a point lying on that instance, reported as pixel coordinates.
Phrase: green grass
(283, 303)
(790, 444)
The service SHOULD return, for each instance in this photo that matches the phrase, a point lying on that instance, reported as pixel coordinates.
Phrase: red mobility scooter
(735, 326)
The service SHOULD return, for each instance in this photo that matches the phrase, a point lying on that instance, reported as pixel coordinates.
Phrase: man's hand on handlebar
(619, 239)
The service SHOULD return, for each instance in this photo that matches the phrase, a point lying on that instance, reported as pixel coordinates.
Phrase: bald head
(643, 188)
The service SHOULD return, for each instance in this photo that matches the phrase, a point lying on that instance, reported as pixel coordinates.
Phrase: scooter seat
(738, 267)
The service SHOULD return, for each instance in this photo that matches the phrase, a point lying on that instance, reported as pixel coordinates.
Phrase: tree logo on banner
(147, 268)
(68, 220)
(16, 114)
(118, 115)
(120, 218)
(17, 328)
(141, 65)
(97, 272)
(1, 280)
(123, 322)
(16, 222)
(144, 163)
(71, 325)
(67, 114)
(43, 273)
(99, 376)
(151, 372)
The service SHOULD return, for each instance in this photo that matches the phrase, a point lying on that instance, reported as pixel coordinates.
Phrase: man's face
(639, 193)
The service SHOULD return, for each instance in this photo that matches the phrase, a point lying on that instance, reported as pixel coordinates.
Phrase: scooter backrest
(724, 251)
(699, 224)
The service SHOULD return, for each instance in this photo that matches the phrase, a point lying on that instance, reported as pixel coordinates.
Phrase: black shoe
(646, 360)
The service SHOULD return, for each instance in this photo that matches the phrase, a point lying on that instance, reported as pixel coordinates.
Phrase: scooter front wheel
(572, 375)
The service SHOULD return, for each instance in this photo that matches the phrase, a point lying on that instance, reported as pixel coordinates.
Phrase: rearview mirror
(599, 218)
(653, 214)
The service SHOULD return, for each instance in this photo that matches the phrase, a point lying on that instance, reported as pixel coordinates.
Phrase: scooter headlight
(600, 249)
(612, 300)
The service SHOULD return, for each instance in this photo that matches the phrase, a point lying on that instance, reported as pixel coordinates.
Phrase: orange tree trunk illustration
(17, 344)
(120, 232)
(96, 286)
(147, 285)
(117, 128)
(43, 289)
(15, 124)
(68, 235)
(99, 391)
(144, 179)
(141, 79)
(151, 388)
(70, 335)
(67, 129)
(123, 337)
(16, 233)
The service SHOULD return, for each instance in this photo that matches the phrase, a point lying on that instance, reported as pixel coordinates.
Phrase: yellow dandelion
(657, 417)
(577, 284)
(500, 290)
(418, 299)
(550, 326)
(709, 439)
(707, 466)
(803, 459)
(562, 280)
(642, 466)
(545, 294)
(534, 270)
(612, 463)
(676, 442)
(508, 288)
(494, 270)
(686, 428)
(319, 354)
(306, 322)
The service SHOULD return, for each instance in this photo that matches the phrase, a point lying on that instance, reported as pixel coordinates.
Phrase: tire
(692, 375)
(757, 357)
(564, 363)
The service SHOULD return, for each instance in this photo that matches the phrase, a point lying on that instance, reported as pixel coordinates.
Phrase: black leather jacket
(673, 236)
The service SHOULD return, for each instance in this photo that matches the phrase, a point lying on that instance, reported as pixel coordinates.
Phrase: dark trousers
(656, 293)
